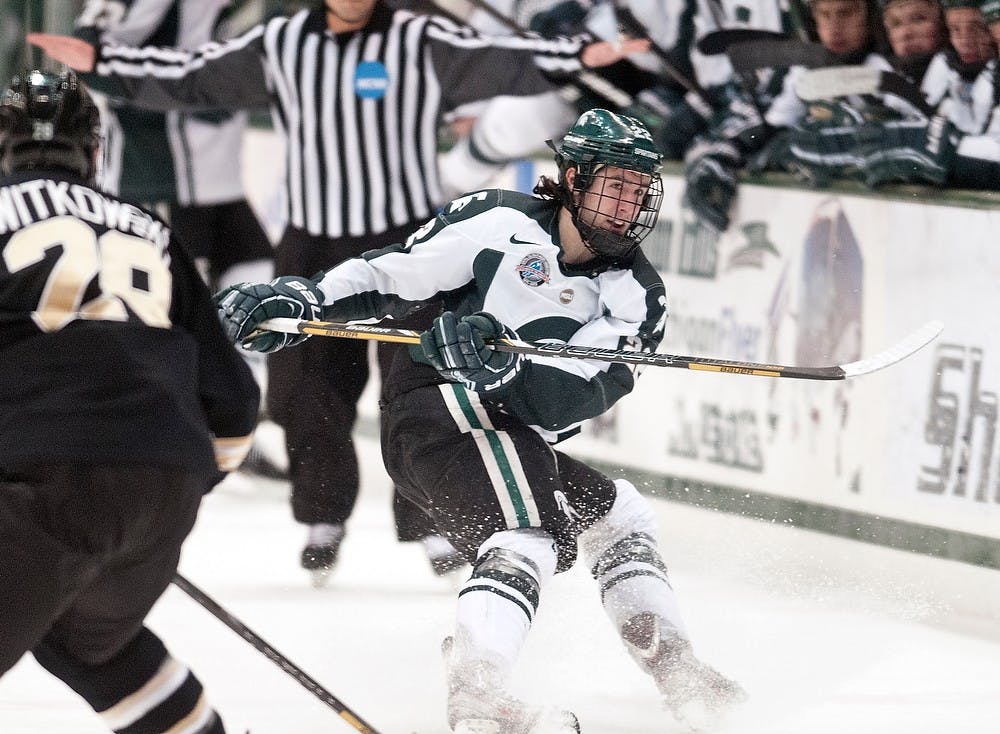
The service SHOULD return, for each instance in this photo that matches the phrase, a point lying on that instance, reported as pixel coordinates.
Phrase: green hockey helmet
(597, 140)
(48, 121)
(603, 137)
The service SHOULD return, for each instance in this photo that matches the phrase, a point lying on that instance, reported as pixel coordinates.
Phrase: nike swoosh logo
(515, 241)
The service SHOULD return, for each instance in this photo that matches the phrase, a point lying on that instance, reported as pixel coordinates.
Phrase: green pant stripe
(498, 454)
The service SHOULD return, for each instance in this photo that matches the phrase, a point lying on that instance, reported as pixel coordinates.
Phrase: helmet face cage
(600, 139)
(48, 121)
(591, 191)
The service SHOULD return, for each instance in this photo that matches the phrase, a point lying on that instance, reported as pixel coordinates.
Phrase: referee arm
(229, 75)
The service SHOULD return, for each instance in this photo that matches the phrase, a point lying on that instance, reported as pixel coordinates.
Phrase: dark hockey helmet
(601, 138)
(48, 121)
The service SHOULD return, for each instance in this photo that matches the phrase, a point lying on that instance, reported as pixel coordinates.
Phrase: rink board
(907, 457)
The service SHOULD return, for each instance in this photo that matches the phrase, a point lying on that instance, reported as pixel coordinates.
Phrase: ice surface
(828, 636)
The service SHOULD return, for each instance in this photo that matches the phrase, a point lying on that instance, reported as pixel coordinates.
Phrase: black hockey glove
(710, 176)
(243, 307)
(457, 348)
(736, 118)
(672, 118)
(562, 19)
(909, 151)
(826, 145)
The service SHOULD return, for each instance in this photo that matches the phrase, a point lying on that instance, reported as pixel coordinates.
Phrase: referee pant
(313, 392)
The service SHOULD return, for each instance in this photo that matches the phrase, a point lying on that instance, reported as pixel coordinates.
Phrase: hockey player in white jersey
(468, 432)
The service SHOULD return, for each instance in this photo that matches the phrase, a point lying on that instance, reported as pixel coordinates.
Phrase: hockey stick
(750, 49)
(919, 338)
(841, 81)
(718, 42)
(748, 56)
(633, 27)
(273, 655)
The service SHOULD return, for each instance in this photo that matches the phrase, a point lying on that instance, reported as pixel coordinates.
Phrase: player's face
(995, 32)
(913, 27)
(613, 199)
(968, 34)
(841, 25)
(348, 15)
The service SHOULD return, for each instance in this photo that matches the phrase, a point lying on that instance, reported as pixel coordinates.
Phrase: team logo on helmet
(534, 270)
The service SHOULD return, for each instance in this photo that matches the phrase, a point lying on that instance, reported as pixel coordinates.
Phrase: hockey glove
(562, 19)
(457, 348)
(909, 151)
(710, 177)
(825, 146)
(774, 156)
(243, 307)
(736, 117)
(671, 118)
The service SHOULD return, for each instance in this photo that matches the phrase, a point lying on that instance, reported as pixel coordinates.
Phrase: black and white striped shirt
(360, 111)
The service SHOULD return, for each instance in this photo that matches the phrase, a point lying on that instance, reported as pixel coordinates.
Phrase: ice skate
(696, 694)
(320, 554)
(477, 704)
(443, 556)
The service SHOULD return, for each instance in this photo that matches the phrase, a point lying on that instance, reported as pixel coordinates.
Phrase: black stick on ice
(303, 679)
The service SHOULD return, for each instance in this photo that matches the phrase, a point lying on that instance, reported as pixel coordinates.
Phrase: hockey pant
(89, 550)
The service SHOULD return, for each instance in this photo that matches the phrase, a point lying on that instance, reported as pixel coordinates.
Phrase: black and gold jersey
(110, 346)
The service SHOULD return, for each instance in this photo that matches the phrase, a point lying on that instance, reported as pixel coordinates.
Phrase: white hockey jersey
(498, 251)
(968, 104)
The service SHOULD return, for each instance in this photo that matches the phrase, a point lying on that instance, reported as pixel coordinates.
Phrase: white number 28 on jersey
(129, 270)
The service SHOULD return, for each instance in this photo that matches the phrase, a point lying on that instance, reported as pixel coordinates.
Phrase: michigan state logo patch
(534, 270)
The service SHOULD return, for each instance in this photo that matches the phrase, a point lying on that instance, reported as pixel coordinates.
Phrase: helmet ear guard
(601, 138)
(48, 121)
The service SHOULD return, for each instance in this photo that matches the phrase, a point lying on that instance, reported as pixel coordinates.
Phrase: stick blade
(751, 56)
(841, 81)
(719, 41)
(896, 353)
(838, 81)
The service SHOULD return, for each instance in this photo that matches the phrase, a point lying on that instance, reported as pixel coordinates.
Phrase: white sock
(437, 546)
(322, 533)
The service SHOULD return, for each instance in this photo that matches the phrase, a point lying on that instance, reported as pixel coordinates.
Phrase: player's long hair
(549, 188)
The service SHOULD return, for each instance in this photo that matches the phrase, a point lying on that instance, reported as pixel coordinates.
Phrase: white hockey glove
(457, 348)
(243, 307)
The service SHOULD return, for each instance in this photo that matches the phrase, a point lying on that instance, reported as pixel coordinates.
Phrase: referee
(358, 90)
